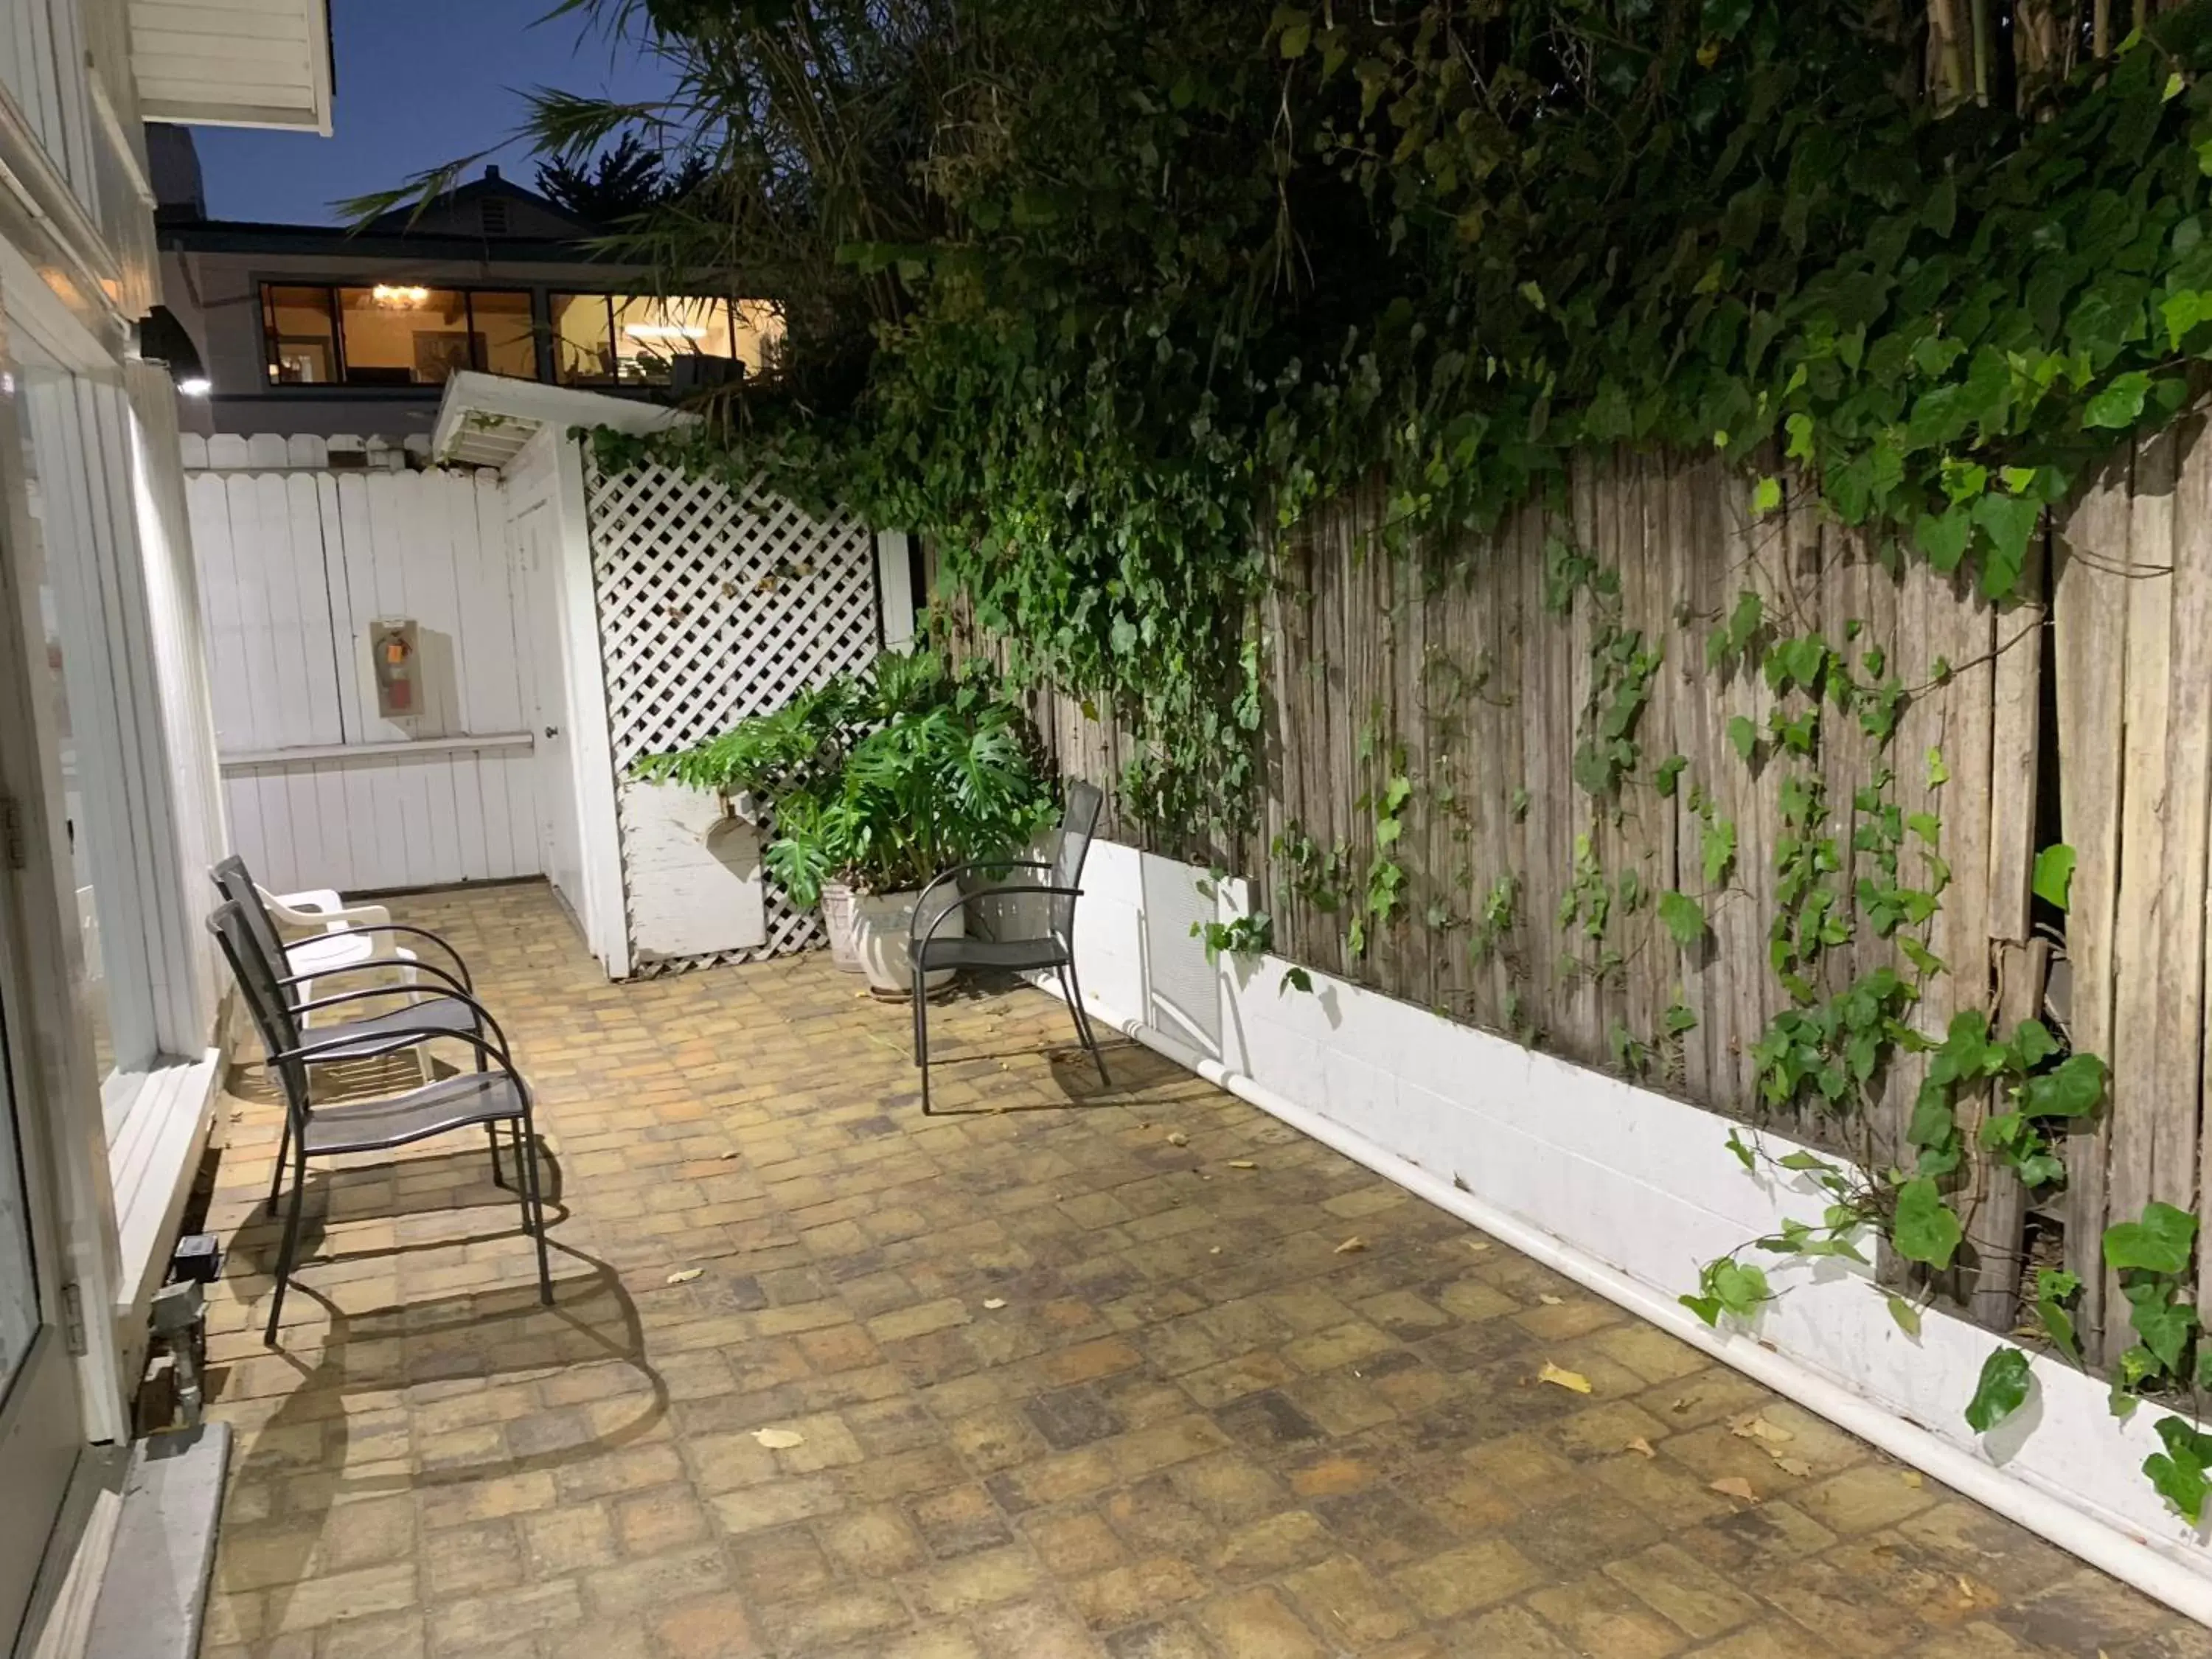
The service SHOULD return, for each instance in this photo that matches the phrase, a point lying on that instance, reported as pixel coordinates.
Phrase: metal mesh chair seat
(376, 1125)
(1010, 955)
(357, 1039)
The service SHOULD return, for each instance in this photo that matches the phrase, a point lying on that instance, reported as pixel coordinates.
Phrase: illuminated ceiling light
(664, 331)
(396, 295)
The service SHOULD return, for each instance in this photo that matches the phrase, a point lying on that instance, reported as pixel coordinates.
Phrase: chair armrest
(918, 935)
(483, 1014)
(943, 875)
(400, 927)
(391, 1042)
(460, 989)
(315, 917)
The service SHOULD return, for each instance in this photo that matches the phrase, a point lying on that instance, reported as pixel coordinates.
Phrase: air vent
(494, 217)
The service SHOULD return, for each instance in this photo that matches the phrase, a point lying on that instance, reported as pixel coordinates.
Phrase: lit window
(302, 339)
(621, 339)
(507, 340)
(399, 334)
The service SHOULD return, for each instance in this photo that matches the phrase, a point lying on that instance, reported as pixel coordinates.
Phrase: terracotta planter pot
(882, 924)
(837, 920)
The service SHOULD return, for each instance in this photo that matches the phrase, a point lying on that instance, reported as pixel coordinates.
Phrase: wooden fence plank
(2137, 1064)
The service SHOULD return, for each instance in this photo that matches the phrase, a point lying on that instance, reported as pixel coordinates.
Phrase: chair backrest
(236, 883)
(1078, 824)
(273, 1018)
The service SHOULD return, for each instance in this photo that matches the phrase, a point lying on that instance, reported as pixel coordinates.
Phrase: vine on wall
(1149, 281)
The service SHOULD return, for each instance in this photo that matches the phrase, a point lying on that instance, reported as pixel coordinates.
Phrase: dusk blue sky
(420, 83)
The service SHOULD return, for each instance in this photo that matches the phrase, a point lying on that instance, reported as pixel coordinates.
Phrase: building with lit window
(318, 330)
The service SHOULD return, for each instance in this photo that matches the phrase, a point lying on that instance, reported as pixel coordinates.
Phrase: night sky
(420, 83)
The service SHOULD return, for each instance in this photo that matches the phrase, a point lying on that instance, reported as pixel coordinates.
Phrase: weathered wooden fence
(2087, 719)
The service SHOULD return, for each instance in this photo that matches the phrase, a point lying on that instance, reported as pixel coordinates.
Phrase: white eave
(484, 420)
(234, 63)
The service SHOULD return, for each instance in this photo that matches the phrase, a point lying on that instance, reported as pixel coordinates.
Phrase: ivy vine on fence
(1128, 289)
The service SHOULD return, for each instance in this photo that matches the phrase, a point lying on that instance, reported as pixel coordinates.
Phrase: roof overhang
(234, 63)
(485, 420)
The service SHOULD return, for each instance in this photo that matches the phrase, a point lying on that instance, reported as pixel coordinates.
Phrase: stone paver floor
(1065, 1376)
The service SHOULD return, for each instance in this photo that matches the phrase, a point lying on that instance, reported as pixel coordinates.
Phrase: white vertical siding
(296, 561)
(180, 668)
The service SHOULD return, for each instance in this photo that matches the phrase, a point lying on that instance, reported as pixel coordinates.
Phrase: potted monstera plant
(882, 781)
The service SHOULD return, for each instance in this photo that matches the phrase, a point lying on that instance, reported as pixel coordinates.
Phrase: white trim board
(1626, 1191)
(151, 1161)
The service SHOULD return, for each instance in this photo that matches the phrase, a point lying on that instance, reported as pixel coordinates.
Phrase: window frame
(479, 349)
(607, 298)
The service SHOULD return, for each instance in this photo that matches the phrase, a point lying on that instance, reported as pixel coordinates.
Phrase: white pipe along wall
(1588, 1174)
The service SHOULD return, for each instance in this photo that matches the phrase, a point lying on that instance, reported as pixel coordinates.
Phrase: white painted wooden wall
(296, 559)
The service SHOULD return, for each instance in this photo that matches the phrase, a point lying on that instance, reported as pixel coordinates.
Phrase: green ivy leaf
(2054, 1290)
(1943, 537)
(1743, 737)
(2165, 1323)
(2008, 521)
(1683, 917)
(2003, 1389)
(1717, 850)
(1766, 497)
(1906, 1316)
(1669, 775)
(2073, 1088)
(2120, 403)
(2160, 1242)
(1925, 1229)
(2178, 1473)
(2054, 874)
(1736, 1145)
(1294, 30)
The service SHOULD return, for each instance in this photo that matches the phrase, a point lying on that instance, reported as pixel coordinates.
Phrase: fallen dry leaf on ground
(1734, 1486)
(684, 1275)
(1573, 1382)
(1913, 1476)
(1177, 1138)
(779, 1439)
(1478, 1245)
(1757, 1428)
(1641, 1447)
(1553, 1301)
(1351, 1245)
(994, 1303)
(1796, 1465)
(1242, 1163)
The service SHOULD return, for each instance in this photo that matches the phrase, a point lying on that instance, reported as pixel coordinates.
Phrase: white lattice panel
(714, 604)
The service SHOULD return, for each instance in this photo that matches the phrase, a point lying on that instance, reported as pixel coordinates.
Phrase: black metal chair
(493, 1094)
(929, 950)
(431, 1005)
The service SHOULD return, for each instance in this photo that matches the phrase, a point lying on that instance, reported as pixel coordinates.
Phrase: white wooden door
(560, 838)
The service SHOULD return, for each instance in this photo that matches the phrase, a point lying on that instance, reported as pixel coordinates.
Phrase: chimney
(491, 172)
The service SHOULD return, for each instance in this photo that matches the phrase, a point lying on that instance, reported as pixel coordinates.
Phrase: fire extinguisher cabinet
(393, 651)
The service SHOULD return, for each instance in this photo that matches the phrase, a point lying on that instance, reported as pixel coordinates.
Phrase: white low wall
(1628, 1191)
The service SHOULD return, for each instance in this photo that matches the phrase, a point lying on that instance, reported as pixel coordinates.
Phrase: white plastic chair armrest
(287, 910)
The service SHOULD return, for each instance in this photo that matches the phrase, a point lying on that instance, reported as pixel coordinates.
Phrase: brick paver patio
(1076, 1374)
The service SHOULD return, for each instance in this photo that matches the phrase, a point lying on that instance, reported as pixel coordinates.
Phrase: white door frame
(61, 1402)
(56, 1067)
